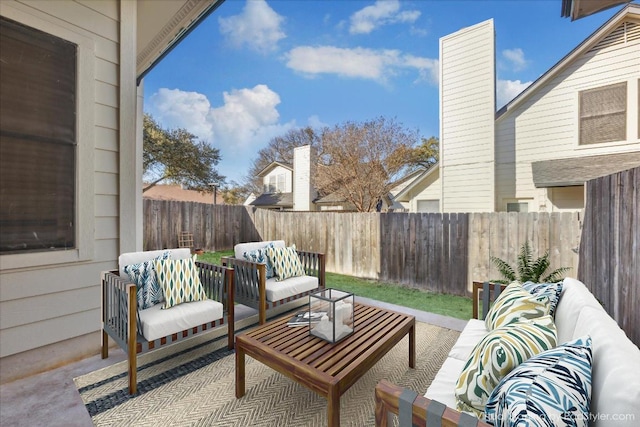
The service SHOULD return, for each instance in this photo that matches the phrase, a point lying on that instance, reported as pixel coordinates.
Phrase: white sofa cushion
(472, 333)
(157, 323)
(277, 290)
(137, 257)
(615, 374)
(443, 385)
(241, 248)
(575, 296)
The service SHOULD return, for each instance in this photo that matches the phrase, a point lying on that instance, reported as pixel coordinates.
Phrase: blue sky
(255, 69)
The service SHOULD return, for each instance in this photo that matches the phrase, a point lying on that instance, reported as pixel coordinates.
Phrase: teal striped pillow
(553, 386)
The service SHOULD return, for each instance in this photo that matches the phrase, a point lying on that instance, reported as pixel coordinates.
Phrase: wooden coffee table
(328, 369)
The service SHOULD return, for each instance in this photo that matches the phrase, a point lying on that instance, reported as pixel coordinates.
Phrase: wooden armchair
(416, 410)
(121, 317)
(253, 289)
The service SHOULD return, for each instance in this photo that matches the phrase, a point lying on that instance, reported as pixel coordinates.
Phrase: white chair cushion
(615, 376)
(241, 248)
(157, 323)
(137, 257)
(444, 384)
(472, 333)
(286, 288)
(575, 296)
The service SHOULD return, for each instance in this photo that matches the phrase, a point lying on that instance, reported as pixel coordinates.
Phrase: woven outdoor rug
(195, 386)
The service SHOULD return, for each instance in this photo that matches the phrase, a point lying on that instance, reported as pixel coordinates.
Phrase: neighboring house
(177, 193)
(71, 188)
(289, 187)
(578, 121)
(422, 194)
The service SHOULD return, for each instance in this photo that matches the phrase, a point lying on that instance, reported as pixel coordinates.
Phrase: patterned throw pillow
(496, 355)
(143, 274)
(515, 303)
(286, 262)
(179, 281)
(260, 256)
(553, 291)
(551, 387)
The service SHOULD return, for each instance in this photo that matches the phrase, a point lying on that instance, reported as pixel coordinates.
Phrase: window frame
(85, 143)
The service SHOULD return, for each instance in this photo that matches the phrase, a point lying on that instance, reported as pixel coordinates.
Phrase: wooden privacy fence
(437, 252)
(610, 247)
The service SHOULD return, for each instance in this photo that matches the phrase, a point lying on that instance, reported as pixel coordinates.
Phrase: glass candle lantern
(335, 309)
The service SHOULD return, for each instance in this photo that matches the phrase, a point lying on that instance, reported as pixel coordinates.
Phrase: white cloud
(246, 122)
(257, 27)
(516, 58)
(506, 90)
(382, 12)
(377, 65)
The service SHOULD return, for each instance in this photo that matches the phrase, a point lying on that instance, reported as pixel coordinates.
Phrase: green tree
(234, 194)
(176, 156)
(528, 269)
(426, 154)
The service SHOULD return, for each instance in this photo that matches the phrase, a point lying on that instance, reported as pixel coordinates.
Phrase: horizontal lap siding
(467, 119)
(45, 305)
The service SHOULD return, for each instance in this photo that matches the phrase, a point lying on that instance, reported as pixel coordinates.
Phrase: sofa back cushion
(615, 396)
(241, 248)
(137, 257)
(575, 296)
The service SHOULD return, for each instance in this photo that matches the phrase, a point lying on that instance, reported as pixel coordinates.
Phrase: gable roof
(577, 9)
(418, 180)
(577, 171)
(629, 11)
(271, 166)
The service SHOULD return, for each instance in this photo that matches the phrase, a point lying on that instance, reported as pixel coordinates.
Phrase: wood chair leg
(105, 345)
(133, 374)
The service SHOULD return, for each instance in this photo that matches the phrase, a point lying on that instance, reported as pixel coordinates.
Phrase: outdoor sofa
(253, 286)
(615, 370)
(138, 329)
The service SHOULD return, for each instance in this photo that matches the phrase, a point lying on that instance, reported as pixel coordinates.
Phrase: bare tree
(359, 161)
(279, 149)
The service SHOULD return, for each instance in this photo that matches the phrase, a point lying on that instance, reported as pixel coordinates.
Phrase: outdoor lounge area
(52, 398)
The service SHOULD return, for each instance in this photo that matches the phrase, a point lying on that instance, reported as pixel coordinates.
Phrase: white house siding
(54, 307)
(429, 189)
(545, 126)
(467, 116)
(275, 172)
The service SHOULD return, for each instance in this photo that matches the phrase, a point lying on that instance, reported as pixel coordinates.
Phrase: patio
(51, 398)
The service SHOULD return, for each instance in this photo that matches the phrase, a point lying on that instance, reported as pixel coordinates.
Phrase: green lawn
(446, 305)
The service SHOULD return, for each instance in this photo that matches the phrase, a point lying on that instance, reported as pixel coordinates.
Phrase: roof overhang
(578, 170)
(577, 9)
(161, 25)
(424, 175)
(629, 12)
(271, 166)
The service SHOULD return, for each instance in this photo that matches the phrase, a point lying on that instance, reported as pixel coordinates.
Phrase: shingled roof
(577, 171)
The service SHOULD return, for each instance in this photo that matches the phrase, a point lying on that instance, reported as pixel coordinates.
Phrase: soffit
(162, 23)
(577, 171)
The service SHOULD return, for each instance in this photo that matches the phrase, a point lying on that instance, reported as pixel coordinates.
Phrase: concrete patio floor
(51, 398)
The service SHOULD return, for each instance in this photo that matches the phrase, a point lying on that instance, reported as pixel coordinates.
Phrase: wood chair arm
(389, 396)
(484, 290)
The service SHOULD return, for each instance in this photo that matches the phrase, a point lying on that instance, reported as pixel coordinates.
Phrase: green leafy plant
(528, 269)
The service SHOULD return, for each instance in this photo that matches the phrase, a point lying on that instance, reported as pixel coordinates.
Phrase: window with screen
(518, 207)
(603, 114)
(37, 140)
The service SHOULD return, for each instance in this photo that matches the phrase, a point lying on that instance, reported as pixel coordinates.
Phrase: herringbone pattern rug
(196, 387)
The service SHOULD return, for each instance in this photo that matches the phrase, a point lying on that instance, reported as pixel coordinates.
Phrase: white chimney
(303, 191)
